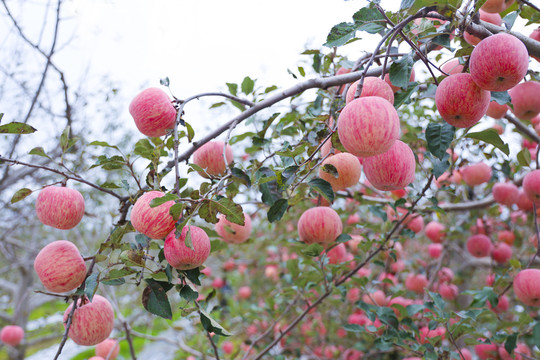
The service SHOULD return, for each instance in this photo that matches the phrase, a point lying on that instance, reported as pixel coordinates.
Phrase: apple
(233, 233)
(527, 286)
(476, 174)
(448, 291)
(445, 275)
(348, 170)
(181, 257)
(521, 349)
(218, 283)
(244, 292)
(210, 158)
(12, 335)
(353, 295)
(496, 6)
(319, 224)
(535, 35)
(524, 203)
(479, 245)
(377, 297)
(506, 236)
(60, 266)
(460, 101)
(228, 347)
(416, 224)
(435, 250)
(338, 254)
(368, 126)
(372, 86)
(465, 354)
(435, 231)
(393, 169)
(492, 18)
(502, 305)
(96, 358)
(153, 112)
(108, 349)
(416, 283)
(505, 193)
(155, 222)
(397, 88)
(525, 99)
(60, 207)
(531, 186)
(326, 148)
(486, 351)
(499, 62)
(452, 67)
(496, 110)
(92, 322)
(501, 253)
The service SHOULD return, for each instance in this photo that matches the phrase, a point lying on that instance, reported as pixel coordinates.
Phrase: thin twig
(129, 340)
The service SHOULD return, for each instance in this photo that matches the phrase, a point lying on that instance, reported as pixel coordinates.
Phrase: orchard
(383, 207)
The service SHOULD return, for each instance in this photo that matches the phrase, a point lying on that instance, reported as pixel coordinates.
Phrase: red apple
(479, 245)
(452, 67)
(92, 322)
(348, 170)
(502, 305)
(368, 126)
(393, 169)
(448, 291)
(535, 35)
(505, 193)
(12, 335)
(233, 233)
(460, 101)
(501, 253)
(523, 202)
(506, 236)
(445, 275)
(416, 283)
(108, 349)
(416, 224)
(496, 110)
(327, 147)
(499, 62)
(527, 286)
(372, 86)
(496, 6)
(486, 351)
(228, 347)
(60, 266)
(492, 18)
(525, 99)
(320, 224)
(60, 207)
(435, 250)
(435, 231)
(397, 88)
(244, 292)
(338, 254)
(153, 112)
(210, 158)
(531, 186)
(465, 354)
(155, 222)
(182, 257)
(476, 174)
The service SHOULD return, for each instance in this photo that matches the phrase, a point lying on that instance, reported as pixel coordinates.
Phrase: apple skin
(348, 170)
(227, 347)
(319, 224)
(524, 203)
(452, 67)
(372, 86)
(397, 88)
(233, 233)
(525, 99)
(535, 35)
(153, 112)
(108, 349)
(531, 186)
(435, 231)
(416, 283)
(460, 101)
(476, 174)
(12, 335)
(60, 207)
(501, 253)
(496, 6)
(435, 250)
(486, 351)
(448, 291)
(505, 193)
(499, 62)
(479, 245)
(210, 158)
(527, 287)
(92, 322)
(244, 292)
(506, 236)
(493, 18)
(156, 222)
(60, 266)
(496, 110)
(180, 256)
(393, 169)
(502, 305)
(368, 126)
(338, 254)
(466, 354)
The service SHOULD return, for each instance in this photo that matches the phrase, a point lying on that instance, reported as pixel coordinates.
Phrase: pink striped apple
(496, 110)
(368, 126)
(210, 158)
(479, 245)
(348, 170)
(499, 62)
(525, 99)
(501, 253)
(531, 186)
(319, 224)
(476, 174)
(393, 169)
(153, 112)
(60, 207)
(60, 266)
(527, 286)
(505, 193)
(452, 67)
(460, 101)
(372, 86)
(416, 283)
(233, 233)
(154, 222)
(12, 335)
(92, 322)
(435, 250)
(182, 257)
(496, 6)
(108, 349)
(435, 231)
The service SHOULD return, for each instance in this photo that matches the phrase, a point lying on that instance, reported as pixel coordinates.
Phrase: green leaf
(64, 138)
(323, 187)
(233, 212)
(400, 71)
(330, 169)
(190, 131)
(340, 34)
(490, 136)
(144, 149)
(536, 333)
(524, 157)
(412, 6)
(176, 211)
(212, 325)
(313, 250)
(118, 232)
(511, 343)
(501, 97)
(164, 81)
(369, 19)
(277, 210)
(439, 137)
(155, 300)
(39, 151)
(440, 166)
(103, 144)
(241, 176)
(510, 19)
(16, 128)
(162, 200)
(193, 275)
(90, 285)
(188, 293)
(233, 88)
(218, 244)
(247, 85)
(404, 96)
(20, 194)
(354, 328)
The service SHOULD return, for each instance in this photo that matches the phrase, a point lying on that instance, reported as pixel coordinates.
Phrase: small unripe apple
(479, 245)
(525, 99)
(368, 126)
(460, 101)
(244, 292)
(435, 231)
(476, 174)
(496, 110)
(393, 169)
(452, 67)
(60, 207)
(372, 86)
(12, 335)
(108, 349)
(416, 283)
(155, 222)
(153, 112)
(505, 193)
(527, 286)
(92, 322)
(397, 88)
(501, 253)
(499, 62)
(181, 257)
(435, 250)
(60, 266)
(348, 170)
(210, 158)
(320, 224)
(531, 186)
(233, 233)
